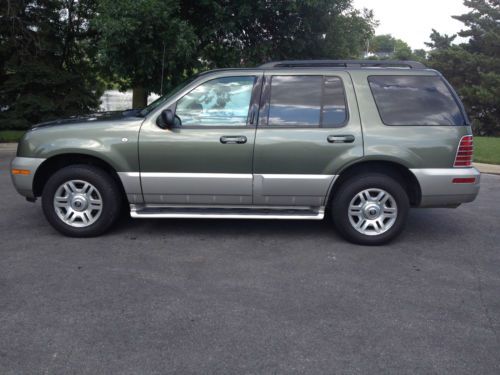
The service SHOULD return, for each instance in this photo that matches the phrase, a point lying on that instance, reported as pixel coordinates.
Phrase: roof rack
(343, 64)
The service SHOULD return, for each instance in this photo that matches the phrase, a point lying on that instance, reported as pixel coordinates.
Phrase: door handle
(227, 139)
(340, 138)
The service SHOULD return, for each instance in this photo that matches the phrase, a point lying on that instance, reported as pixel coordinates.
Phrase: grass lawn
(487, 150)
(10, 135)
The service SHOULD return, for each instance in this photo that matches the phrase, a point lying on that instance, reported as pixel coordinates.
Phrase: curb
(488, 168)
(8, 146)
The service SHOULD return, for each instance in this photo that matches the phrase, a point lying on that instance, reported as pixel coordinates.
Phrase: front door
(207, 158)
(309, 128)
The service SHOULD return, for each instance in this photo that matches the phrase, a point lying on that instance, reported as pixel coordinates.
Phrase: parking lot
(250, 297)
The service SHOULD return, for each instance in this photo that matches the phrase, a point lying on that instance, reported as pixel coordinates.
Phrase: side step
(145, 212)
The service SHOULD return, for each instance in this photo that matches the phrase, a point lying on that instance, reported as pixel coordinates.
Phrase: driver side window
(219, 102)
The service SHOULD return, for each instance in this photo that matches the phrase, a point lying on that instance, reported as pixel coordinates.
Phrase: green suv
(361, 141)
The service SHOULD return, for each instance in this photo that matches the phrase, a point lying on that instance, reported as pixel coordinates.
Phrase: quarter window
(219, 102)
(307, 101)
(415, 100)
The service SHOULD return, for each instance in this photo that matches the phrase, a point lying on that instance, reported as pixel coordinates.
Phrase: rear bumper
(24, 182)
(439, 190)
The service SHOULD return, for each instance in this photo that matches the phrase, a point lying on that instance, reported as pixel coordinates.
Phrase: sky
(413, 20)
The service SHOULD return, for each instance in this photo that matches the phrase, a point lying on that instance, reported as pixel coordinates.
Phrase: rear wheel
(370, 209)
(81, 201)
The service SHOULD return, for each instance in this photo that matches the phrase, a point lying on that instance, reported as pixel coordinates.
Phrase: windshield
(162, 99)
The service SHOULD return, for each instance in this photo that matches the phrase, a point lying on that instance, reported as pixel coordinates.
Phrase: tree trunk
(139, 97)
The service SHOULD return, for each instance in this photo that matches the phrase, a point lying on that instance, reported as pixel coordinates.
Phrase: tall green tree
(440, 41)
(142, 41)
(384, 43)
(473, 67)
(46, 61)
(390, 47)
(250, 32)
(203, 34)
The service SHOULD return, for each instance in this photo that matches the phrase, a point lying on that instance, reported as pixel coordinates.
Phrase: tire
(370, 209)
(81, 201)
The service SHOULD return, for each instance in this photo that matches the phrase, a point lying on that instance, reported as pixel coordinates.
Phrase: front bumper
(24, 182)
(439, 190)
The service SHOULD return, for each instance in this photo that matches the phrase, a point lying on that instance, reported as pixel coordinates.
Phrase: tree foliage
(220, 33)
(134, 38)
(46, 69)
(255, 31)
(473, 67)
(387, 46)
(55, 54)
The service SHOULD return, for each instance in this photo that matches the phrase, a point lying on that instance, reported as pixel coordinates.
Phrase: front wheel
(81, 201)
(370, 209)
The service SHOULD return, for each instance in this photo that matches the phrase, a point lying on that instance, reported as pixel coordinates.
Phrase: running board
(145, 212)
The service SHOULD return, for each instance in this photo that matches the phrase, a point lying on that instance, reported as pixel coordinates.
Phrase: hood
(99, 116)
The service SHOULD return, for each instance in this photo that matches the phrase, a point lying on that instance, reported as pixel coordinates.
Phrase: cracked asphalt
(250, 297)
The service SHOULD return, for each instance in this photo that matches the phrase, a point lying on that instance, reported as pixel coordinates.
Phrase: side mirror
(167, 119)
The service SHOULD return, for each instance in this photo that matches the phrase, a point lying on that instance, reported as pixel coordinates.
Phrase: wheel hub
(79, 202)
(371, 210)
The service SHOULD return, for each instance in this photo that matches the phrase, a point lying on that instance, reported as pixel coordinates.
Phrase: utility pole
(162, 70)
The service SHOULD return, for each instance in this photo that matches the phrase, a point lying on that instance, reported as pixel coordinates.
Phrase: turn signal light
(21, 171)
(465, 152)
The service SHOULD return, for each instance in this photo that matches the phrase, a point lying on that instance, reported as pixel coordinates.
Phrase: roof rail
(343, 64)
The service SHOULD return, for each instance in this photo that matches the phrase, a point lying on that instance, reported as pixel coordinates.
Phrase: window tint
(298, 101)
(295, 100)
(334, 104)
(415, 100)
(219, 102)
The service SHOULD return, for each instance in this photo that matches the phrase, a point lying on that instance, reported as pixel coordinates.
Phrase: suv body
(289, 140)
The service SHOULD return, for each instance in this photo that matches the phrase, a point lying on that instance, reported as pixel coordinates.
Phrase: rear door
(309, 128)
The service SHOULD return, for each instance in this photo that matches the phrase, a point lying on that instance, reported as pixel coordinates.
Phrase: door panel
(296, 164)
(208, 159)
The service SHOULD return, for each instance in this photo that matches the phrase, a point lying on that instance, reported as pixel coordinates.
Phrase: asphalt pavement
(250, 297)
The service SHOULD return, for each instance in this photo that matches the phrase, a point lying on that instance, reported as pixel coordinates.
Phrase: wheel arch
(56, 162)
(391, 168)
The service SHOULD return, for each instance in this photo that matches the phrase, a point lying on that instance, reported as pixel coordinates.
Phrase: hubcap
(373, 212)
(78, 203)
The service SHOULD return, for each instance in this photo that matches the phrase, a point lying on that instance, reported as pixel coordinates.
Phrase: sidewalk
(483, 168)
(488, 168)
(8, 146)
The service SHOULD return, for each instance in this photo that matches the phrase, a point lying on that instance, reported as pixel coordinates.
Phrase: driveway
(250, 297)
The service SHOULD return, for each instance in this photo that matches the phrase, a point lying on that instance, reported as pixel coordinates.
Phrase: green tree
(386, 46)
(142, 41)
(46, 55)
(440, 41)
(250, 32)
(402, 51)
(419, 54)
(205, 34)
(385, 43)
(473, 67)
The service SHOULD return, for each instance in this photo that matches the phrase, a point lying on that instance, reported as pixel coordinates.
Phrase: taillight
(465, 152)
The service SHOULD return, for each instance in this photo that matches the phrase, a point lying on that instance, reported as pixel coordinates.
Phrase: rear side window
(307, 101)
(415, 100)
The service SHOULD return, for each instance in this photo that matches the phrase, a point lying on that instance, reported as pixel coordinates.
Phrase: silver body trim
(197, 188)
(228, 188)
(438, 190)
(24, 183)
(291, 189)
(131, 182)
